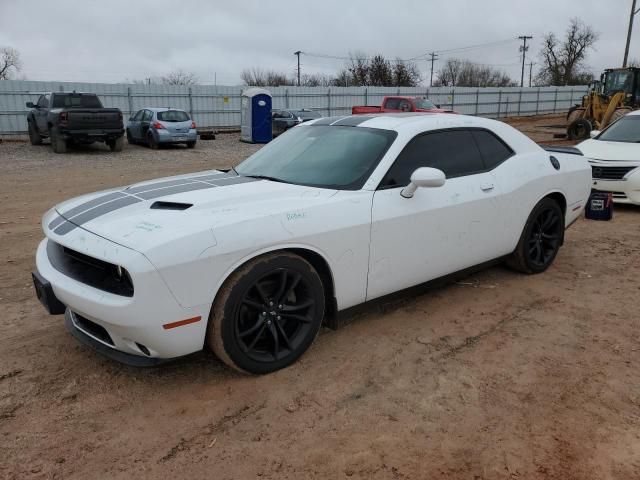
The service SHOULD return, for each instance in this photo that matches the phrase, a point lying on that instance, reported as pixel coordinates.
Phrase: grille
(93, 329)
(90, 271)
(609, 173)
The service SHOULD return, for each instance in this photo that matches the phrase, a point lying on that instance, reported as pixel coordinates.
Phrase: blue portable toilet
(255, 116)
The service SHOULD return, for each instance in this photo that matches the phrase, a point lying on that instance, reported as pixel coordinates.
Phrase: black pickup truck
(74, 117)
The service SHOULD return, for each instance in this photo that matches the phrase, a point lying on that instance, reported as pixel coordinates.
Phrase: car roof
(162, 109)
(397, 121)
(635, 112)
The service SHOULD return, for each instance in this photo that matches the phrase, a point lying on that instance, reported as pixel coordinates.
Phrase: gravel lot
(497, 376)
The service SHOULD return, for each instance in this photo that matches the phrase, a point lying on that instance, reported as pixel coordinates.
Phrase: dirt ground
(497, 376)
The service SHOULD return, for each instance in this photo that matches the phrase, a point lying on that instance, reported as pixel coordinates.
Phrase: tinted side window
(392, 104)
(493, 150)
(147, 115)
(454, 152)
(138, 116)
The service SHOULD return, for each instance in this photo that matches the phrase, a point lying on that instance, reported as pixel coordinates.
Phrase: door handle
(487, 187)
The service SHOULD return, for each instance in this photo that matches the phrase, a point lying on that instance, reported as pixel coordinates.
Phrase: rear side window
(454, 152)
(75, 101)
(173, 116)
(493, 150)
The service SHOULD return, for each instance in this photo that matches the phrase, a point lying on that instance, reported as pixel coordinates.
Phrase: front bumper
(625, 190)
(134, 325)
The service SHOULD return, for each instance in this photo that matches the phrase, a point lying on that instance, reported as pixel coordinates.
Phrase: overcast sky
(110, 41)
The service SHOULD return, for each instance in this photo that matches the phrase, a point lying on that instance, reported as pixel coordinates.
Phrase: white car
(333, 213)
(615, 158)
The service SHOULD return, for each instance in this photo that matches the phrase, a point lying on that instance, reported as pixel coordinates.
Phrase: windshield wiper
(265, 177)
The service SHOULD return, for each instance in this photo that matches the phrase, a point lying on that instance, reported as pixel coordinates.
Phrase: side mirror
(438, 105)
(424, 177)
(594, 133)
(30, 105)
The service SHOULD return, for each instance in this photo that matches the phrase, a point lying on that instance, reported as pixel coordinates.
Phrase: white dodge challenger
(332, 214)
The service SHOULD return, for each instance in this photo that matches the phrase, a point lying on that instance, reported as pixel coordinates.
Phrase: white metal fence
(219, 106)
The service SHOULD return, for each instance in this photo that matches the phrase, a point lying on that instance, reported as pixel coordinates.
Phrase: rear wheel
(116, 144)
(34, 136)
(541, 238)
(151, 141)
(267, 313)
(58, 143)
(618, 114)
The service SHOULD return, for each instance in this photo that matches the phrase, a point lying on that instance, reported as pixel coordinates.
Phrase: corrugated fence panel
(219, 106)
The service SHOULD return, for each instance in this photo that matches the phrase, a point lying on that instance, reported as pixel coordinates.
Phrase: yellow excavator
(616, 94)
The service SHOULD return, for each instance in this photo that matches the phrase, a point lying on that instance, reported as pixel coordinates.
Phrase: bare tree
(634, 63)
(563, 59)
(179, 77)
(449, 73)
(257, 77)
(463, 73)
(10, 63)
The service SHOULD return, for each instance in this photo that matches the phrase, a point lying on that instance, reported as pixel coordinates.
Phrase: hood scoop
(170, 205)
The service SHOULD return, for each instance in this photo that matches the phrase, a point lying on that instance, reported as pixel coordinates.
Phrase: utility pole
(434, 57)
(530, 71)
(298, 54)
(626, 49)
(524, 49)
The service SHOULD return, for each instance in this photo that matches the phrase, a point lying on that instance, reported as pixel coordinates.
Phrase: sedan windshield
(627, 129)
(321, 156)
(424, 104)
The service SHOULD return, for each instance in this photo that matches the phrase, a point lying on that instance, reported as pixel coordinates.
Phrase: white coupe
(333, 213)
(615, 158)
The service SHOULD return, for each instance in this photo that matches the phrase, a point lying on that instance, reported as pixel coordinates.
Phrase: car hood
(610, 151)
(145, 215)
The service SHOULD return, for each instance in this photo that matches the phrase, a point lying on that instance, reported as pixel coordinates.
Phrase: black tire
(191, 144)
(151, 141)
(579, 129)
(58, 144)
(116, 144)
(34, 136)
(130, 139)
(267, 313)
(541, 238)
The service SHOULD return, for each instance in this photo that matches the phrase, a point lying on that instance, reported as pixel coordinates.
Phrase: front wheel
(267, 313)
(191, 144)
(541, 238)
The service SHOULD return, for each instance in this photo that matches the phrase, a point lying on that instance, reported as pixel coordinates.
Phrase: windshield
(173, 116)
(321, 156)
(75, 101)
(627, 129)
(618, 81)
(424, 104)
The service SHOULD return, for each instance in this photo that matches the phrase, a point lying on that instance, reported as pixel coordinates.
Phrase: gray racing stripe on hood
(108, 203)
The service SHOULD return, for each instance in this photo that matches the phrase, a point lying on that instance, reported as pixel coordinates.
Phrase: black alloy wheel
(541, 238)
(267, 314)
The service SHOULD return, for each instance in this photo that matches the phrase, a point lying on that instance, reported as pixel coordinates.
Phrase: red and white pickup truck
(401, 104)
